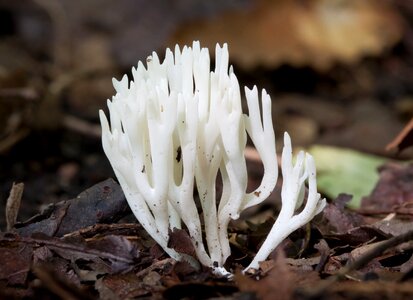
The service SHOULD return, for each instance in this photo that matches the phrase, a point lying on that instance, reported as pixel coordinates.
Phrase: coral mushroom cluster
(176, 126)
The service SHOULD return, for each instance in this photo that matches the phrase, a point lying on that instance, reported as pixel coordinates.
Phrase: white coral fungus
(178, 124)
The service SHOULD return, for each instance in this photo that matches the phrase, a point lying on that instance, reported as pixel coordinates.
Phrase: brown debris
(318, 33)
(15, 262)
(181, 242)
(393, 192)
(279, 284)
(13, 204)
(57, 284)
(403, 140)
(340, 218)
(104, 202)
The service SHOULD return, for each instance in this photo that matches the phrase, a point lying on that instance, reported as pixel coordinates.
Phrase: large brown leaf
(310, 32)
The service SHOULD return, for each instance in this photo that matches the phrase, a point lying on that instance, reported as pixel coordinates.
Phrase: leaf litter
(112, 259)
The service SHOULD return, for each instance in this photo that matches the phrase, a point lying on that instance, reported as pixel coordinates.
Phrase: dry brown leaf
(393, 192)
(102, 203)
(15, 261)
(311, 32)
(180, 241)
(341, 219)
(278, 285)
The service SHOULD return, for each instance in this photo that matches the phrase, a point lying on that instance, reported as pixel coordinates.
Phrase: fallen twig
(13, 204)
(358, 263)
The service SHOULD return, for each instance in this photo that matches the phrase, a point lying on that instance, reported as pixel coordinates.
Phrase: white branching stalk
(292, 197)
(176, 126)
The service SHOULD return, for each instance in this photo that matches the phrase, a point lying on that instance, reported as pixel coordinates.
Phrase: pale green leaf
(341, 170)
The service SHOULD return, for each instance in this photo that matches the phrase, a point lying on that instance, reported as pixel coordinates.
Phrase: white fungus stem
(292, 194)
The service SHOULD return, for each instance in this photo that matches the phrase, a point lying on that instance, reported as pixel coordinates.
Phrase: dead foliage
(318, 33)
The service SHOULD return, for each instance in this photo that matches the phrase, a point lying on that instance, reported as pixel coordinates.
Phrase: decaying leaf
(311, 32)
(345, 171)
(102, 203)
(58, 284)
(181, 242)
(338, 217)
(15, 261)
(393, 192)
(393, 227)
(120, 286)
(264, 288)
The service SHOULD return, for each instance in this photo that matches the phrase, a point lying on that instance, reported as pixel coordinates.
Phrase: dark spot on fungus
(143, 169)
(178, 154)
(257, 193)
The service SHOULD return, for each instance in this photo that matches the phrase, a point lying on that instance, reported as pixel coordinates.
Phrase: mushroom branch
(176, 126)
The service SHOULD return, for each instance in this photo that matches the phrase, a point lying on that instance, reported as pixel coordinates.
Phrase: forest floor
(76, 237)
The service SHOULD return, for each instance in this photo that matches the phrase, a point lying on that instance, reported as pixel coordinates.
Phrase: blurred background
(340, 73)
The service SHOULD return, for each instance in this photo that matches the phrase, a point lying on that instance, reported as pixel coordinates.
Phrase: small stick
(13, 204)
(359, 262)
